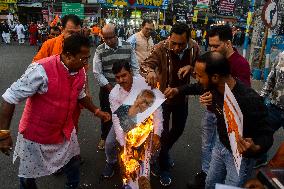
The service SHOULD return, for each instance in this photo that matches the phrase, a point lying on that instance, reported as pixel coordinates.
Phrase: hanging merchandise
(151, 4)
(206, 20)
(194, 18)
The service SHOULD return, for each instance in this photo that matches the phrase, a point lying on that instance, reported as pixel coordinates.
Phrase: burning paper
(234, 122)
(136, 118)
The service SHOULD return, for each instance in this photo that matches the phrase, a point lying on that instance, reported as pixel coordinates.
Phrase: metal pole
(263, 47)
(252, 2)
(267, 54)
(158, 17)
(52, 9)
(135, 19)
(164, 17)
(116, 15)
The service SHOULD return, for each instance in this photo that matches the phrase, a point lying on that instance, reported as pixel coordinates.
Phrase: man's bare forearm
(88, 104)
(6, 114)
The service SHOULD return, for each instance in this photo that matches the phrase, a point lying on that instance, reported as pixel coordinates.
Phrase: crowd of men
(34, 33)
(47, 138)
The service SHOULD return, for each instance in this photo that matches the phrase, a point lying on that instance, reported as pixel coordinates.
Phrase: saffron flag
(234, 121)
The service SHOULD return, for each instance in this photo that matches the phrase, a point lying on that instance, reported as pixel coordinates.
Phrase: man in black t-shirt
(212, 71)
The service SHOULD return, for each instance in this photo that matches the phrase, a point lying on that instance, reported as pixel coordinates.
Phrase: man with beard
(142, 41)
(212, 72)
(220, 40)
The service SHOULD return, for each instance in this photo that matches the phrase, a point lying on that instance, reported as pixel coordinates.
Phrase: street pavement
(14, 59)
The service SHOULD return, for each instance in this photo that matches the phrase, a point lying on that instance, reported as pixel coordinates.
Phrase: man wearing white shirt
(142, 41)
(125, 84)
(112, 50)
(19, 28)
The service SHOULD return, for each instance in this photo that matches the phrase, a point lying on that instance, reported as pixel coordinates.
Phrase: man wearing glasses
(47, 139)
(142, 41)
(71, 24)
(112, 50)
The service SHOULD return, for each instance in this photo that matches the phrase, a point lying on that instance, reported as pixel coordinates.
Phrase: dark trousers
(170, 136)
(275, 117)
(71, 170)
(105, 106)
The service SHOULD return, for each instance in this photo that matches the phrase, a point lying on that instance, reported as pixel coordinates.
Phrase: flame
(137, 136)
(158, 85)
(131, 156)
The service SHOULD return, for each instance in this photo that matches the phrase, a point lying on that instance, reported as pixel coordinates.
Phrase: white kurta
(19, 28)
(36, 159)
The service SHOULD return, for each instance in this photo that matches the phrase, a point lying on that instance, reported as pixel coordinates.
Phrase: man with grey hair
(112, 50)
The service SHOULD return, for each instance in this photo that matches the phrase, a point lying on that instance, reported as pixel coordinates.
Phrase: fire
(158, 85)
(138, 135)
(134, 150)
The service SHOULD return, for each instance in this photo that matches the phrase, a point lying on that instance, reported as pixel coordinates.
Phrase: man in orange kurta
(96, 32)
(71, 24)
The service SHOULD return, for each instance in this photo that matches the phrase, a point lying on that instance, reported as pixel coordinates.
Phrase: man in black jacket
(212, 72)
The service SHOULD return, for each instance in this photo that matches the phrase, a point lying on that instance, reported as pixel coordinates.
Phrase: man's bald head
(108, 28)
(109, 35)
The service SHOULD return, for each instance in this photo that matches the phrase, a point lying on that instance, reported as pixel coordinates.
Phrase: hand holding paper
(247, 146)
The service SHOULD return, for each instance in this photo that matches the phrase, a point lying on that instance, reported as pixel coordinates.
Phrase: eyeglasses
(85, 59)
(108, 38)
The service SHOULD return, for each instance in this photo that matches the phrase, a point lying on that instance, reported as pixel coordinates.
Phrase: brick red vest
(47, 118)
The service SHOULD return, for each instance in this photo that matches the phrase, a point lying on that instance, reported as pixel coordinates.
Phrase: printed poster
(234, 123)
(202, 4)
(227, 7)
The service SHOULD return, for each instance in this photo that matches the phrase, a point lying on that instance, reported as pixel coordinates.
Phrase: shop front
(131, 13)
(29, 11)
(8, 10)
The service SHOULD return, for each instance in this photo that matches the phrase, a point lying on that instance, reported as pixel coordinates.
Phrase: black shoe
(108, 171)
(82, 160)
(155, 169)
(171, 162)
(199, 181)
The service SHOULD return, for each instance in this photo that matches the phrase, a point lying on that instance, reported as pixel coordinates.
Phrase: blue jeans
(222, 168)
(111, 147)
(208, 125)
(71, 170)
(275, 116)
